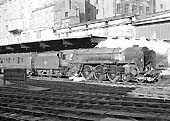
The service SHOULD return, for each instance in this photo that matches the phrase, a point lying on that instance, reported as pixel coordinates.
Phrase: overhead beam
(9, 48)
(42, 44)
(24, 46)
(66, 42)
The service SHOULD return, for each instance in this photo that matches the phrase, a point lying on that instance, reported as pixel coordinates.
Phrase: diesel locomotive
(113, 64)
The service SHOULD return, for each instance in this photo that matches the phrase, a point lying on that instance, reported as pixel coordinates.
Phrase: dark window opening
(64, 57)
(141, 9)
(66, 14)
(133, 8)
(97, 2)
(118, 8)
(18, 59)
(161, 6)
(126, 8)
(97, 11)
(147, 10)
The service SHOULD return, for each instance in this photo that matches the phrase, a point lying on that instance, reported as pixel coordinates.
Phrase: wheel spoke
(112, 74)
(111, 77)
(87, 72)
(100, 73)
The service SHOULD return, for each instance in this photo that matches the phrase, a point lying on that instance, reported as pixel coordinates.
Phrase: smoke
(160, 47)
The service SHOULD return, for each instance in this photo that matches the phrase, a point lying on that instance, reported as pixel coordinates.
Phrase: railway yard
(71, 61)
(96, 84)
(78, 101)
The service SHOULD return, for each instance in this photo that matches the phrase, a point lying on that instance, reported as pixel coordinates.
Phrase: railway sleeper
(21, 111)
(128, 98)
(65, 93)
(142, 116)
(106, 107)
(137, 104)
(24, 116)
(47, 98)
(114, 108)
(140, 109)
(47, 110)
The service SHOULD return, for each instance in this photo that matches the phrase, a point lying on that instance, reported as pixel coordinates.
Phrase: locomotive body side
(53, 63)
(45, 64)
(46, 60)
(96, 62)
(112, 63)
(97, 56)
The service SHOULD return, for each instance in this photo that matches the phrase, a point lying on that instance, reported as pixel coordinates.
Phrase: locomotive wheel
(111, 74)
(111, 77)
(139, 81)
(87, 72)
(125, 78)
(128, 78)
(100, 73)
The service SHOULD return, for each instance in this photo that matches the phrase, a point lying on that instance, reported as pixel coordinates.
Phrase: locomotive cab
(135, 56)
(65, 57)
(141, 56)
(139, 60)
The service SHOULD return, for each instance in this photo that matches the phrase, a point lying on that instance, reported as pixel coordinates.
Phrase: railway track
(68, 101)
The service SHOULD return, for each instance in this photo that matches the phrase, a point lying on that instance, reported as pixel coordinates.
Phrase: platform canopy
(53, 45)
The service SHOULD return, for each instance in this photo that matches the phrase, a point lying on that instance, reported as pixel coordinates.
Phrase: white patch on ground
(151, 92)
(75, 78)
(165, 72)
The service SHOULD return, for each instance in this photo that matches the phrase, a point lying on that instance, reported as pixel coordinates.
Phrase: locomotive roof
(68, 51)
(99, 50)
(135, 50)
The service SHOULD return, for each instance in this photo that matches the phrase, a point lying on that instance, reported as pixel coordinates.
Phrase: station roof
(155, 18)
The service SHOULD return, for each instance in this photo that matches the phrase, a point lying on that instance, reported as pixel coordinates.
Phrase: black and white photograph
(84, 60)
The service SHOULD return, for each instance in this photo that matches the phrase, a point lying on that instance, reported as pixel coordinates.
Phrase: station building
(154, 27)
(41, 25)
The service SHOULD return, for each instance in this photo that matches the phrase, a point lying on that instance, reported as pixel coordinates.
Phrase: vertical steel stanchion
(4, 78)
(4, 82)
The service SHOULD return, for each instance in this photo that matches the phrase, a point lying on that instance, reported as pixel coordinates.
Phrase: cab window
(64, 56)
